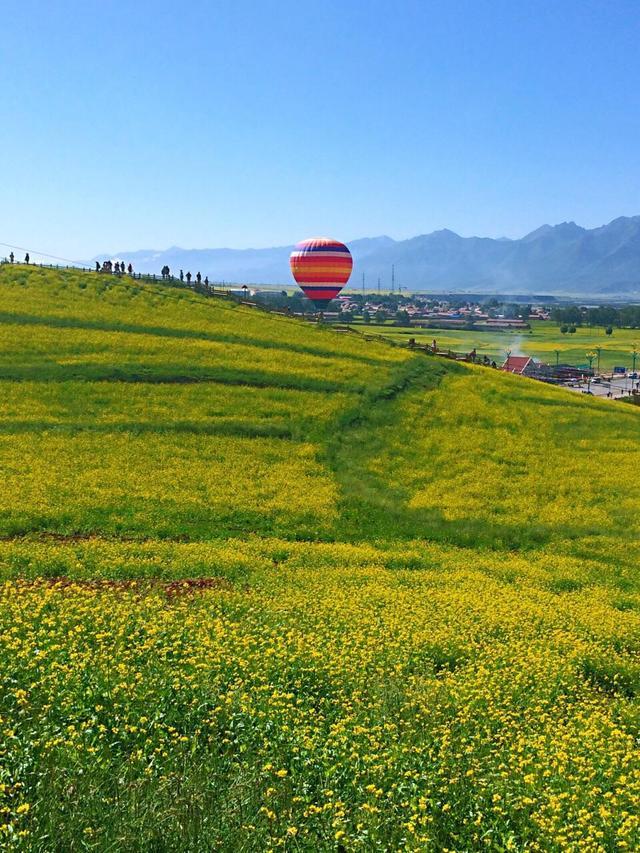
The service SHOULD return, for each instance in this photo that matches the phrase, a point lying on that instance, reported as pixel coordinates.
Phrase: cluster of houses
(421, 311)
(443, 315)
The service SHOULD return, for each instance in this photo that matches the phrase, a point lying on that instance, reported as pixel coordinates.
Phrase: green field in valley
(544, 342)
(269, 586)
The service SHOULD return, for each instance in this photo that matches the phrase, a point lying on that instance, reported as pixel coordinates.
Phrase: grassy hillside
(269, 586)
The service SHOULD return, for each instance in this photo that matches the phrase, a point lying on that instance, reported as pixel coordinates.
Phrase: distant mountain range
(561, 259)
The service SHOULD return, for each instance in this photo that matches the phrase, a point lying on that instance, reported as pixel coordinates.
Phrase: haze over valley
(563, 259)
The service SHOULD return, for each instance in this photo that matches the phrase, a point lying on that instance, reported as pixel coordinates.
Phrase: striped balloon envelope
(321, 266)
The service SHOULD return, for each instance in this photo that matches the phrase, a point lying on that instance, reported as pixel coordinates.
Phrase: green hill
(270, 585)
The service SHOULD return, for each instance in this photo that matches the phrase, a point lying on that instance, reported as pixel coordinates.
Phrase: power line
(42, 254)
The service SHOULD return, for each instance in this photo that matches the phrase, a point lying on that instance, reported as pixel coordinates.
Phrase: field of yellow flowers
(264, 586)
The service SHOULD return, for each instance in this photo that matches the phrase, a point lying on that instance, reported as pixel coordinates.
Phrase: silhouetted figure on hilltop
(188, 278)
(181, 276)
(198, 277)
(97, 266)
(26, 258)
(130, 269)
(11, 257)
(206, 280)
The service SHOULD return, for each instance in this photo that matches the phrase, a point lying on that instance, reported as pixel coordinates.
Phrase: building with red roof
(523, 365)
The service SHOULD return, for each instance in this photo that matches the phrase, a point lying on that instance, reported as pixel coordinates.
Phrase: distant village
(421, 311)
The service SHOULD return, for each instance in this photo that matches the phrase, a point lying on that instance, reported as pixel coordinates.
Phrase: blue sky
(130, 125)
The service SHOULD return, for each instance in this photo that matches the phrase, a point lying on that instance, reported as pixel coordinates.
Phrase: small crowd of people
(188, 278)
(166, 274)
(473, 357)
(118, 268)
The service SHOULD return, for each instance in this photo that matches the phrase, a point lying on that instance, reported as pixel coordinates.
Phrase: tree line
(628, 316)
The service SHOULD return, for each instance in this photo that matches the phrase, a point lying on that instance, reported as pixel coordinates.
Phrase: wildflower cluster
(432, 707)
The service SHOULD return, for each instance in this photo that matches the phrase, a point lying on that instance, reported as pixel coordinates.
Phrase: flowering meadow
(265, 586)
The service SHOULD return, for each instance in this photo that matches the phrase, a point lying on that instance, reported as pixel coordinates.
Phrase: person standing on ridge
(130, 269)
(11, 257)
(188, 278)
(198, 277)
(181, 276)
(26, 258)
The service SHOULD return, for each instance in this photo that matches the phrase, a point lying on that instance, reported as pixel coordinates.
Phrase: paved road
(618, 387)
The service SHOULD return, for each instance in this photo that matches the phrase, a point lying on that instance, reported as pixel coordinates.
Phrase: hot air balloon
(321, 266)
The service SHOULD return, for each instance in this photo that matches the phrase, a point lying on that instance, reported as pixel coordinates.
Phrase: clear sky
(129, 125)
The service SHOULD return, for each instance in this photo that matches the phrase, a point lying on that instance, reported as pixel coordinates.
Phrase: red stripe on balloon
(320, 292)
(320, 258)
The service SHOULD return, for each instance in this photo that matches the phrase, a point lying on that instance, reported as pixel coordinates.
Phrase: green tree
(524, 312)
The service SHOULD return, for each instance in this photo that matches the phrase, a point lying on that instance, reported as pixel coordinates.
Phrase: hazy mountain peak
(569, 228)
(539, 232)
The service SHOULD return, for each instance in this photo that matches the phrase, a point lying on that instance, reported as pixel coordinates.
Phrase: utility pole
(378, 285)
(590, 356)
(598, 350)
(363, 290)
(393, 278)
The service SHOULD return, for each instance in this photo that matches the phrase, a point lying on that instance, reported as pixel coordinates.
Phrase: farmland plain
(266, 586)
(544, 342)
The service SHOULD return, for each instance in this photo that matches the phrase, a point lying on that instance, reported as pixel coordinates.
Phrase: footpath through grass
(264, 586)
